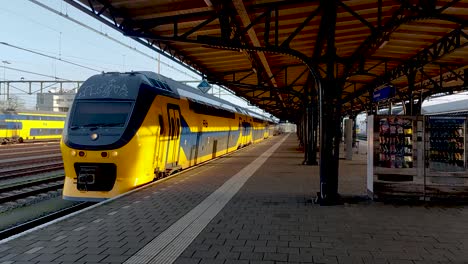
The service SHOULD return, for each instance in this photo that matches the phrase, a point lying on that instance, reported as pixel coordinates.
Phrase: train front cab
(105, 172)
(110, 142)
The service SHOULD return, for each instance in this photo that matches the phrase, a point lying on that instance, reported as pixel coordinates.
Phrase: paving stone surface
(272, 219)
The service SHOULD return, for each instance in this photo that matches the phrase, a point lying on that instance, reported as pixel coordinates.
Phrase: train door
(158, 146)
(241, 132)
(197, 146)
(215, 149)
(173, 113)
(245, 133)
(228, 139)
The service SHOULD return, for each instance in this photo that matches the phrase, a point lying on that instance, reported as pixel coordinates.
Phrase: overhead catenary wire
(49, 56)
(66, 16)
(35, 73)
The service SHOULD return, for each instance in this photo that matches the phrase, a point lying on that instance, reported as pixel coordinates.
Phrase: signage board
(204, 86)
(384, 93)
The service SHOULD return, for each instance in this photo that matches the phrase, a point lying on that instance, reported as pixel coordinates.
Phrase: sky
(36, 40)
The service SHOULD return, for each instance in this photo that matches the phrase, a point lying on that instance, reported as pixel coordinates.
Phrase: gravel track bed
(27, 161)
(28, 178)
(35, 208)
(28, 145)
(28, 153)
(28, 201)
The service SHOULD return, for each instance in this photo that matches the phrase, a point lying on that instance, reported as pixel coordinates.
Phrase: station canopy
(271, 52)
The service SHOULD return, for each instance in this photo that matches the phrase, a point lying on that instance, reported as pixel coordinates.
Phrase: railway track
(29, 144)
(28, 153)
(20, 172)
(31, 188)
(17, 162)
(32, 192)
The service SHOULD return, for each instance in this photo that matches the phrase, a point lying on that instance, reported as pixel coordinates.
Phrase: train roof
(452, 106)
(459, 107)
(200, 97)
(31, 112)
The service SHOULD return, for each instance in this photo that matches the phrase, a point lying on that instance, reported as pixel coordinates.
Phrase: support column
(306, 126)
(411, 76)
(330, 111)
(315, 123)
(348, 131)
(311, 144)
(300, 130)
(353, 117)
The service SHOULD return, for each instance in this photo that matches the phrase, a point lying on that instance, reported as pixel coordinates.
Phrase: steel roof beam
(401, 16)
(150, 23)
(255, 22)
(272, 5)
(454, 40)
(188, 64)
(300, 27)
(448, 5)
(356, 15)
(429, 78)
(319, 43)
(245, 20)
(199, 26)
(252, 87)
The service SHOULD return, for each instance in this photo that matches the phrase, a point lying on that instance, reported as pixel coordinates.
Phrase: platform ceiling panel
(264, 50)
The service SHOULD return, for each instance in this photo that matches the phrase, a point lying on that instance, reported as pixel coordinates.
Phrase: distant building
(56, 102)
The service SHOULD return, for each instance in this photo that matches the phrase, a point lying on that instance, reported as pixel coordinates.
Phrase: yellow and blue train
(127, 129)
(20, 126)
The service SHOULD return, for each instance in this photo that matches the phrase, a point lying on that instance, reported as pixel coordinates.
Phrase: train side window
(161, 125)
(172, 128)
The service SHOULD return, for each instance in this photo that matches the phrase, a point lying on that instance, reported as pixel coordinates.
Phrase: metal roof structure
(273, 52)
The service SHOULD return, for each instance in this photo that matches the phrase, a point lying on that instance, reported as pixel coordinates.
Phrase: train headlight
(94, 136)
(73, 153)
(81, 154)
(114, 153)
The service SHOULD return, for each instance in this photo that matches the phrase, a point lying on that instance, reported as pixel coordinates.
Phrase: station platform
(252, 206)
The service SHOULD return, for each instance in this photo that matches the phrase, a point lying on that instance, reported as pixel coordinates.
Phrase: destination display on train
(112, 87)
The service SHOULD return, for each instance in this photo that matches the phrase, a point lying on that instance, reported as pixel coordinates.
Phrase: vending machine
(395, 155)
(446, 171)
(417, 156)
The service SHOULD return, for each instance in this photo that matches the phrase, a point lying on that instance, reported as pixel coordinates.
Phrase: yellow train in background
(20, 126)
(127, 129)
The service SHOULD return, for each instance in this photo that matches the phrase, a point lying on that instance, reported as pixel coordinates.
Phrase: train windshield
(100, 114)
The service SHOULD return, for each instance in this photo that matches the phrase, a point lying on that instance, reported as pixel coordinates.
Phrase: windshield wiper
(94, 126)
(110, 125)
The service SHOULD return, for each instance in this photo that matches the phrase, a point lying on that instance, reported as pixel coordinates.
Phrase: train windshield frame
(97, 114)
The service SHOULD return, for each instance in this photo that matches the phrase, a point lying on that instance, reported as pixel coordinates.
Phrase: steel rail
(8, 174)
(16, 163)
(30, 183)
(25, 194)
